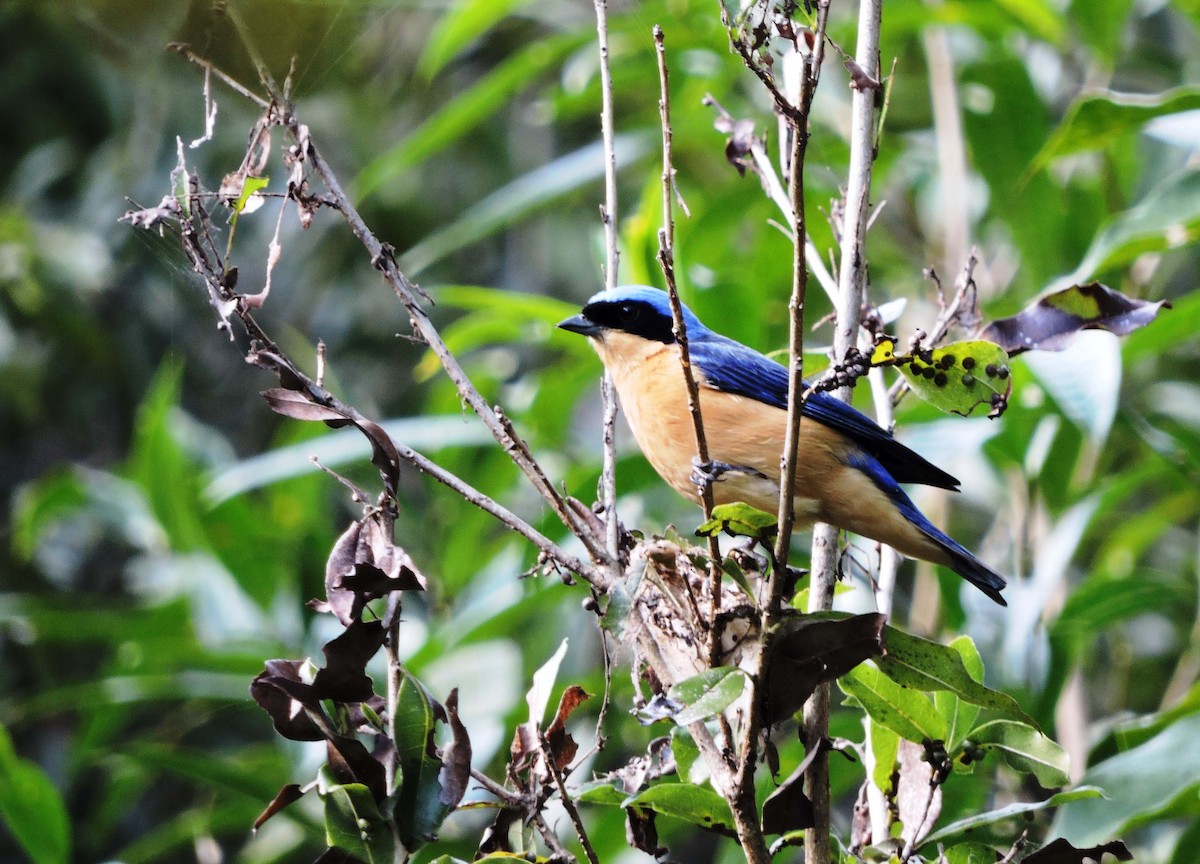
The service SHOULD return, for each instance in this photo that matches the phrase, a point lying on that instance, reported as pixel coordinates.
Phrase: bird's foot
(705, 474)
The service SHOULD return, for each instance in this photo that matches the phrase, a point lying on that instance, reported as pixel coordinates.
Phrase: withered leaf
(807, 652)
(343, 602)
(562, 746)
(495, 838)
(168, 210)
(344, 677)
(365, 564)
(660, 707)
(383, 453)
(740, 143)
(1049, 323)
(287, 713)
(351, 763)
(1062, 852)
(289, 794)
(299, 405)
(456, 757)
(788, 808)
(641, 831)
(859, 77)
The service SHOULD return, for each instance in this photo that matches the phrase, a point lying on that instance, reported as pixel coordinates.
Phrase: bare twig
(507, 796)
(209, 68)
(808, 83)
(561, 852)
(392, 649)
(568, 804)
(608, 215)
(279, 111)
(851, 287)
(267, 354)
(666, 260)
(961, 310)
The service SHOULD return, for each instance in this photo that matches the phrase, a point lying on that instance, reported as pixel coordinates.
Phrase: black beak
(581, 325)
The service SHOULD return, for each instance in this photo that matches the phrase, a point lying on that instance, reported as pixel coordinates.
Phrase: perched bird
(849, 469)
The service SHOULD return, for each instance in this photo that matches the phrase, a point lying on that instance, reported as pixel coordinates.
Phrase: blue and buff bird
(849, 470)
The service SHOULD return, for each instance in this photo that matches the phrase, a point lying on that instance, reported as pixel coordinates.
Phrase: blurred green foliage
(150, 563)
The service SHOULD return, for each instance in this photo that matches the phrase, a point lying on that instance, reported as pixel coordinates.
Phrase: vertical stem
(852, 283)
(799, 140)
(608, 215)
(666, 259)
(609, 211)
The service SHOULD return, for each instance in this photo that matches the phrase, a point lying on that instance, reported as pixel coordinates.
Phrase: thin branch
(608, 215)
(267, 354)
(960, 310)
(392, 650)
(808, 84)
(509, 798)
(852, 277)
(501, 430)
(561, 853)
(568, 804)
(279, 111)
(209, 68)
(666, 260)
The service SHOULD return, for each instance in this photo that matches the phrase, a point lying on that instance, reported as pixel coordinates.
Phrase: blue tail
(961, 562)
(967, 565)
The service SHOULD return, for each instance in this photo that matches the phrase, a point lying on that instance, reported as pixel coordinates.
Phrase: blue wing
(735, 368)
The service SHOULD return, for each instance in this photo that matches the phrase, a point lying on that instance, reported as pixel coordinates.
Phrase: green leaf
(462, 24)
(960, 714)
(353, 822)
(739, 519)
(463, 113)
(686, 753)
(1096, 120)
(884, 747)
(982, 820)
(958, 377)
(249, 187)
(159, 464)
(906, 712)
(1039, 17)
(515, 200)
(970, 853)
(698, 805)
(1103, 24)
(1167, 217)
(601, 792)
(707, 694)
(419, 809)
(1025, 749)
(1140, 782)
(31, 808)
(42, 504)
(925, 665)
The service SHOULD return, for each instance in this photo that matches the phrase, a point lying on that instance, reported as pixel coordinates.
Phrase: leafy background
(162, 529)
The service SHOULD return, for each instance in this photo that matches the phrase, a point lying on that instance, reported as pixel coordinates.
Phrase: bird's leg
(705, 474)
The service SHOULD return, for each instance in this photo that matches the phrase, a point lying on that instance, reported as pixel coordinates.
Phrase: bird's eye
(627, 313)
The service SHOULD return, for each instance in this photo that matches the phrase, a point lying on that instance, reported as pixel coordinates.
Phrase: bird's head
(630, 311)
